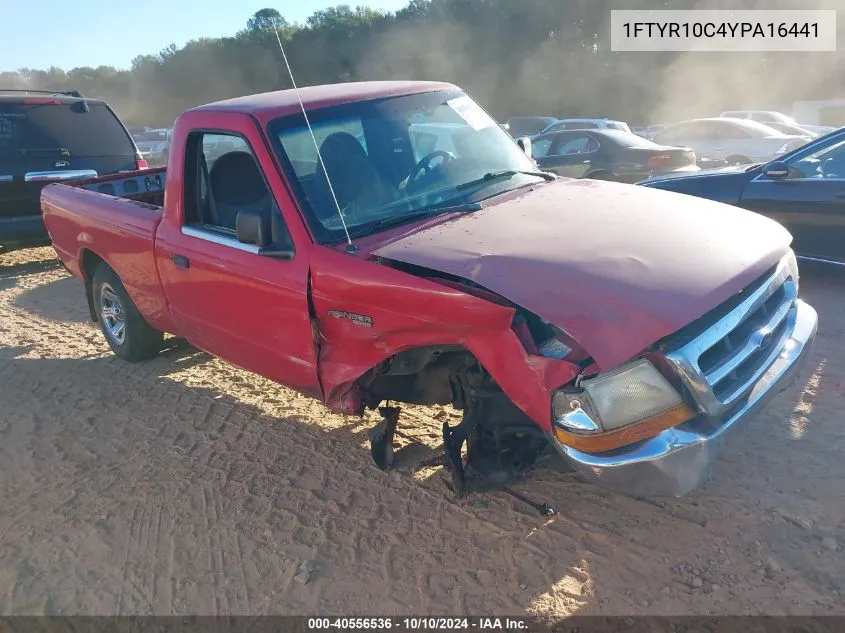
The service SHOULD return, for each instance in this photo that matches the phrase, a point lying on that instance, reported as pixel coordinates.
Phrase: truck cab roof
(282, 102)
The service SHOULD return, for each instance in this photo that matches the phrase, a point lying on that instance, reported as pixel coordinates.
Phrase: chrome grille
(721, 364)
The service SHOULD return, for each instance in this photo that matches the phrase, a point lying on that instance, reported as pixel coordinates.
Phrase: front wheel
(129, 336)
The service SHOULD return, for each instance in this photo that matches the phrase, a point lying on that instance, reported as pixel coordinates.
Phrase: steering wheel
(424, 167)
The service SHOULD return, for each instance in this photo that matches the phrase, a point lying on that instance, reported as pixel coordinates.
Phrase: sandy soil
(183, 485)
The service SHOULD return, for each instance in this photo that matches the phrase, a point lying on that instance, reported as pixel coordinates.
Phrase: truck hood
(617, 267)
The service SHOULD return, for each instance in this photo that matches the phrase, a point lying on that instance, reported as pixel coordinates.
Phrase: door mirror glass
(253, 227)
(269, 234)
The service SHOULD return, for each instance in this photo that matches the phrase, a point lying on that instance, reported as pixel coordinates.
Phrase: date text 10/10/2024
(417, 624)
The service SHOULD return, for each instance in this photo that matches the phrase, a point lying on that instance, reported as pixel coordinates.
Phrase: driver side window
(540, 147)
(826, 162)
(222, 179)
(424, 141)
(577, 145)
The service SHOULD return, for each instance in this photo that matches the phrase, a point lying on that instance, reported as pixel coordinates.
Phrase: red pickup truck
(626, 328)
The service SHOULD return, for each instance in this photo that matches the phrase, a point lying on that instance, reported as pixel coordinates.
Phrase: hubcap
(114, 319)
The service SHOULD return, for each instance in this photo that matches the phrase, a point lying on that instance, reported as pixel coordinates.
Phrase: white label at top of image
(723, 31)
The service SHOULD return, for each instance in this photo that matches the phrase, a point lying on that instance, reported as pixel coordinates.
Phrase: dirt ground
(183, 485)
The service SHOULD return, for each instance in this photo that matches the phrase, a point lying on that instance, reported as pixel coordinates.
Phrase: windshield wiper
(418, 215)
(505, 173)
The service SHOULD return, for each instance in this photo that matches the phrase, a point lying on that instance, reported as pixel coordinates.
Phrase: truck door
(248, 308)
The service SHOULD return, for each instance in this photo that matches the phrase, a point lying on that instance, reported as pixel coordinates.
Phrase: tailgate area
(144, 185)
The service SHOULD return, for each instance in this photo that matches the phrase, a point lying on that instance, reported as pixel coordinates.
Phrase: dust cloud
(564, 66)
(546, 57)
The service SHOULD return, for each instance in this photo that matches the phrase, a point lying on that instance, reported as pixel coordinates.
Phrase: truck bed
(113, 219)
(144, 185)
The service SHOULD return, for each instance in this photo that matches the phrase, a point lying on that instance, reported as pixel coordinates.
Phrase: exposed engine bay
(502, 442)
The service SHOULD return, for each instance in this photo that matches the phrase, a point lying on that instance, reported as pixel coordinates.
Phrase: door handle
(181, 261)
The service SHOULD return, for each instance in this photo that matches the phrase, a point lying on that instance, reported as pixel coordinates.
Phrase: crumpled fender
(366, 313)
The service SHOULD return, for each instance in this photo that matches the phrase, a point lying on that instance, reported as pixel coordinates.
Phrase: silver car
(734, 141)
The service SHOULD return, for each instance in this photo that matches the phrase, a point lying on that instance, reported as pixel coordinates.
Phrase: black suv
(49, 137)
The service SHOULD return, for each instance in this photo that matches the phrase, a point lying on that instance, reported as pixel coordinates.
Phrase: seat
(357, 184)
(236, 185)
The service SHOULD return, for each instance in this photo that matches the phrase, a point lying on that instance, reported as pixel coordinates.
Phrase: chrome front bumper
(680, 459)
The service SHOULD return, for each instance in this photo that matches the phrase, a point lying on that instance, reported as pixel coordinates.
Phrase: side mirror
(253, 227)
(779, 170)
(269, 234)
(525, 144)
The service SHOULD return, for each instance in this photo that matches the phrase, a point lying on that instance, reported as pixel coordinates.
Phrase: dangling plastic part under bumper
(680, 459)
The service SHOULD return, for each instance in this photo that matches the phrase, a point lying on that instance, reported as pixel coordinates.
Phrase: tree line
(516, 57)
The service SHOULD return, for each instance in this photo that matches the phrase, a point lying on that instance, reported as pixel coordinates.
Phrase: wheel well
(89, 261)
(433, 374)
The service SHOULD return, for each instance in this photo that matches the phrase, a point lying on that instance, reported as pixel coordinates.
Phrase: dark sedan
(804, 190)
(608, 155)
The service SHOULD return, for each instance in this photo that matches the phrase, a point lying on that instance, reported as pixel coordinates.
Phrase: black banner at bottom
(426, 624)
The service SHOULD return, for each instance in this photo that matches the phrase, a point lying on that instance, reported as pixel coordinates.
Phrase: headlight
(630, 394)
(791, 264)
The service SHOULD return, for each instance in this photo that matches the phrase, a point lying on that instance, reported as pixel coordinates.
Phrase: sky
(103, 32)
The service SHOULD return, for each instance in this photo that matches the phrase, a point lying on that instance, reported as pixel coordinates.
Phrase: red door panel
(249, 309)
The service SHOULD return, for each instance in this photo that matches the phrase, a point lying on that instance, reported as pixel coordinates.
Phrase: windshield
(788, 128)
(397, 156)
(823, 160)
(777, 117)
(759, 129)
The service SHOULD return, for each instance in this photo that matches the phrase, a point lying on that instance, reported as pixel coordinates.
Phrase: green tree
(265, 19)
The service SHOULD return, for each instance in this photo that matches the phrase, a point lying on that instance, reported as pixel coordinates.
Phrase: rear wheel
(129, 336)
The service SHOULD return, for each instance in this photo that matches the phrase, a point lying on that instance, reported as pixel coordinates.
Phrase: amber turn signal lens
(644, 429)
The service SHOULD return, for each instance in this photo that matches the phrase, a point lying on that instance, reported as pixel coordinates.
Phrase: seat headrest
(341, 146)
(347, 164)
(236, 179)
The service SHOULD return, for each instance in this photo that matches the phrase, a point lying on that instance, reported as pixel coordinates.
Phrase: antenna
(350, 247)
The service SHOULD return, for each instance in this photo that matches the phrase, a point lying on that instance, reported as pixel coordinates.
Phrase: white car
(819, 130)
(586, 124)
(734, 141)
(777, 120)
(763, 116)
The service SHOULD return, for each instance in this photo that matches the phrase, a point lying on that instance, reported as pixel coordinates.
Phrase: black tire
(137, 341)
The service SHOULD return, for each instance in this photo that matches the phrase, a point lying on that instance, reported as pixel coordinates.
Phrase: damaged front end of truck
(631, 365)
